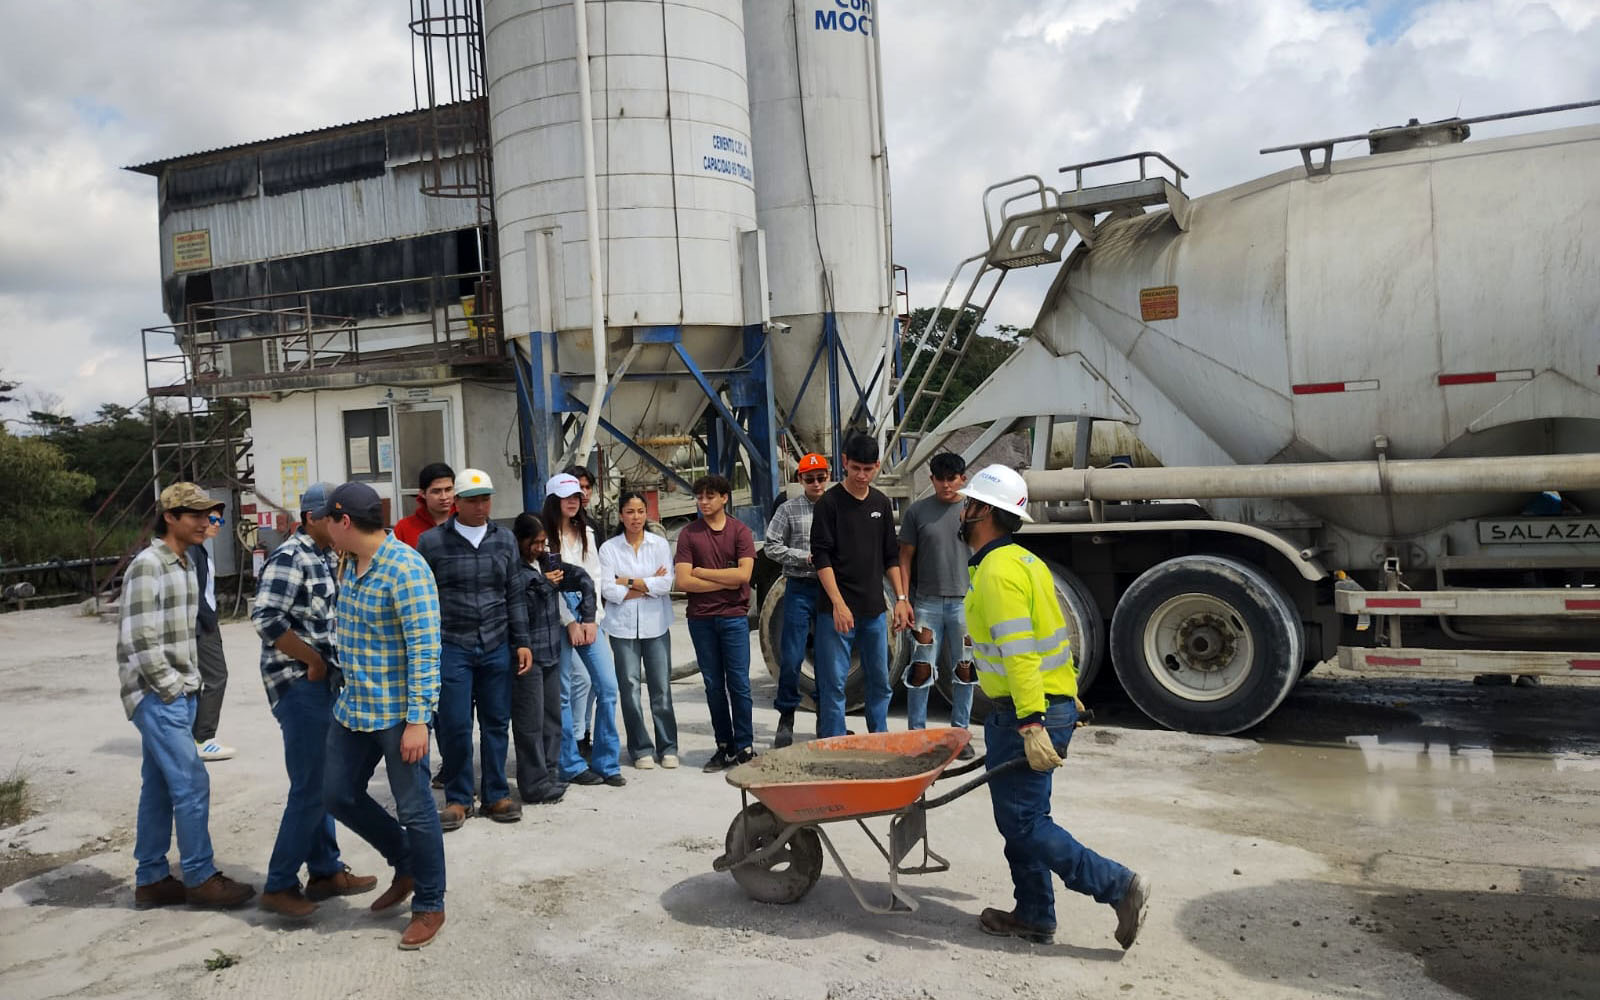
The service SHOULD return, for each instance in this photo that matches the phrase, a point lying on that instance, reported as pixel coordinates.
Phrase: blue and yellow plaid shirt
(388, 638)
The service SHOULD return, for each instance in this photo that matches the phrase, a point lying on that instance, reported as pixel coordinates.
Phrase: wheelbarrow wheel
(789, 873)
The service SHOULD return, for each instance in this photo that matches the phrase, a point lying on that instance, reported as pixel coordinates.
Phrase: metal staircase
(1034, 233)
(1028, 224)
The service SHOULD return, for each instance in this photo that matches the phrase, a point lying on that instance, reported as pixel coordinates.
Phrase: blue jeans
(176, 791)
(870, 639)
(722, 649)
(1035, 845)
(800, 598)
(944, 621)
(305, 834)
(649, 660)
(467, 678)
(596, 666)
(577, 674)
(411, 840)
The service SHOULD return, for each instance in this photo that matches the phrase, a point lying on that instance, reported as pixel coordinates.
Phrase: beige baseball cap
(188, 496)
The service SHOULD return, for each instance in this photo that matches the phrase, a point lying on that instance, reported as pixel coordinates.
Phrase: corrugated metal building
(312, 276)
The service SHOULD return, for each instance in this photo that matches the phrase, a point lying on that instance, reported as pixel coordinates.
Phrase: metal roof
(154, 167)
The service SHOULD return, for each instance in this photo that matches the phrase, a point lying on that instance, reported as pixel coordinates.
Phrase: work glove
(1041, 751)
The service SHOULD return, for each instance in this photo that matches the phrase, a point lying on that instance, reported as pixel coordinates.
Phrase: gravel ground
(1376, 838)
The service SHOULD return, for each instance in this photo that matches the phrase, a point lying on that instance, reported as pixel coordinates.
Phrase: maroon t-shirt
(701, 547)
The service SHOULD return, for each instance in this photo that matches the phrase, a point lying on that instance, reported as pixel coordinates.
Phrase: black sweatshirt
(857, 539)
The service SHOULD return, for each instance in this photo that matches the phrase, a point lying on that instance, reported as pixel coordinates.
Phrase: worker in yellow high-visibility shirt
(1023, 654)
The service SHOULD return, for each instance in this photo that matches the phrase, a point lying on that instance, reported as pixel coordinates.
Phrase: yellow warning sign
(1158, 303)
(191, 251)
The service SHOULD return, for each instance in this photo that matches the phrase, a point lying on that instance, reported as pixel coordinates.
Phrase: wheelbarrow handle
(982, 779)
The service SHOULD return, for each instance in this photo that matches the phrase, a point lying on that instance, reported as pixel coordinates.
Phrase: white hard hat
(1001, 487)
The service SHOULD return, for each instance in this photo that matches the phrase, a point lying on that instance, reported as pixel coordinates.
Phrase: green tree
(41, 509)
(984, 352)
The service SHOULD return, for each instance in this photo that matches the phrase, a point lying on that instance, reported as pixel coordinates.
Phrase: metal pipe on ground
(1411, 477)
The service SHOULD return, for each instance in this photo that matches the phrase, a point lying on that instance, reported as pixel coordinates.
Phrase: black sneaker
(587, 778)
(785, 734)
(720, 761)
(966, 753)
(744, 756)
(615, 780)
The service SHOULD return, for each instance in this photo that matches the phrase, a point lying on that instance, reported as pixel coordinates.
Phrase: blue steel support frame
(750, 423)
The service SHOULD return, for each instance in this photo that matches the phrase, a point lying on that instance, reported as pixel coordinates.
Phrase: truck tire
(1206, 644)
(1084, 623)
(855, 682)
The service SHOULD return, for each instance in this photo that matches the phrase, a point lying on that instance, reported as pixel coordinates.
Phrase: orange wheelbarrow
(774, 846)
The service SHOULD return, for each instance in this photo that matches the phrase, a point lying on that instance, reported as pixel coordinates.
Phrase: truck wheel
(855, 682)
(1084, 624)
(1206, 644)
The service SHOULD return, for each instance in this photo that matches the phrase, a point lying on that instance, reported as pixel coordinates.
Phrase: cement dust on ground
(1376, 838)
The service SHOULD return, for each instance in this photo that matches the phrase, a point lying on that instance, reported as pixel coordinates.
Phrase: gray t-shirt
(939, 568)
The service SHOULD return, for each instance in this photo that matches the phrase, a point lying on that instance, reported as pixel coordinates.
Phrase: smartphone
(549, 562)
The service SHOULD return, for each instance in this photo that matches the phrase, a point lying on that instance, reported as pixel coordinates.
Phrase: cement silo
(822, 198)
(675, 212)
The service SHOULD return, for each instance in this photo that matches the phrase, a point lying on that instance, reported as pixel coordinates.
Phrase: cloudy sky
(976, 91)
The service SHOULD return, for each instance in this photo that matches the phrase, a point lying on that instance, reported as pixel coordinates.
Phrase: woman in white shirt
(583, 657)
(635, 579)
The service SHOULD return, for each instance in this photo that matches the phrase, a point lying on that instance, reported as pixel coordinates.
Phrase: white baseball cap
(473, 483)
(559, 485)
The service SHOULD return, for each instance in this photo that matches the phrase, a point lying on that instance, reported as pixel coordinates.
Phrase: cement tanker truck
(1372, 385)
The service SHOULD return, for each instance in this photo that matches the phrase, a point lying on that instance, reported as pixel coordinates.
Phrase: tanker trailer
(1372, 385)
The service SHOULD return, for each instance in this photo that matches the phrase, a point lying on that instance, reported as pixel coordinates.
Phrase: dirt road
(1378, 838)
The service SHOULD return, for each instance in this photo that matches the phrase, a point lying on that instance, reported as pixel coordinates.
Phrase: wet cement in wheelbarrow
(799, 765)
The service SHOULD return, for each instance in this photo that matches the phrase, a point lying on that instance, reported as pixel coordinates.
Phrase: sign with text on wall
(191, 251)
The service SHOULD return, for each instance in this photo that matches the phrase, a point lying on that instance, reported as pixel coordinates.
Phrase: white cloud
(975, 93)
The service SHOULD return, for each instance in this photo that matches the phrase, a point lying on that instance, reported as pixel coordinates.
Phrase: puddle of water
(1419, 773)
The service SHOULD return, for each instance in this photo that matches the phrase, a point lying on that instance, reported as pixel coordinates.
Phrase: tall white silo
(822, 196)
(675, 186)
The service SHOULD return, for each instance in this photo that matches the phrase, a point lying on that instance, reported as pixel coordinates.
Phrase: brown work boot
(219, 892)
(167, 892)
(341, 883)
(452, 816)
(505, 811)
(421, 930)
(1131, 910)
(1001, 923)
(396, 894)
(288, 903)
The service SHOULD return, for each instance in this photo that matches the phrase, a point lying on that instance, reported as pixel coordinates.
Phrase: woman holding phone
(635, 580)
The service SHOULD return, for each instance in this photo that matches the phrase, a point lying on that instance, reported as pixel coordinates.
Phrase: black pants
(536, 729)
(213, 682)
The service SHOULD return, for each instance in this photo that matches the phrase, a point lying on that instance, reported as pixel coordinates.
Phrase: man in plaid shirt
(387, 634)
(156, 664)
(294, 617)
(789, 545)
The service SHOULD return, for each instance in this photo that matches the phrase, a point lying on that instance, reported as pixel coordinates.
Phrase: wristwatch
(899, 597)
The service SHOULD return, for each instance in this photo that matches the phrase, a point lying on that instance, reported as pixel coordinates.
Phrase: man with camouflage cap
(157, 665)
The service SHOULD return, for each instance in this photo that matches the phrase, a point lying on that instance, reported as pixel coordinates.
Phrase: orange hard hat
(812, 462)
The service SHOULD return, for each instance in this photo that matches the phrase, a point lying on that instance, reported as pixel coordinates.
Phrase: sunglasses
(820, 478)
(216, 518)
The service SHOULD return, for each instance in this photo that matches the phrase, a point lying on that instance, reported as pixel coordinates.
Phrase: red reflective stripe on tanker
(1582, 605)
(1394, 602)
(1394, 661)
(1586, 664)
(1317, 388)
(1476, 378)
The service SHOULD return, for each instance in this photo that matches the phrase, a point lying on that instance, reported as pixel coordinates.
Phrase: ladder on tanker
(1028, 224)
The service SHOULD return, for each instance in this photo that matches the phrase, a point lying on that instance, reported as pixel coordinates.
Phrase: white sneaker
(645, 763)
(669, 760)
(212, 750)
